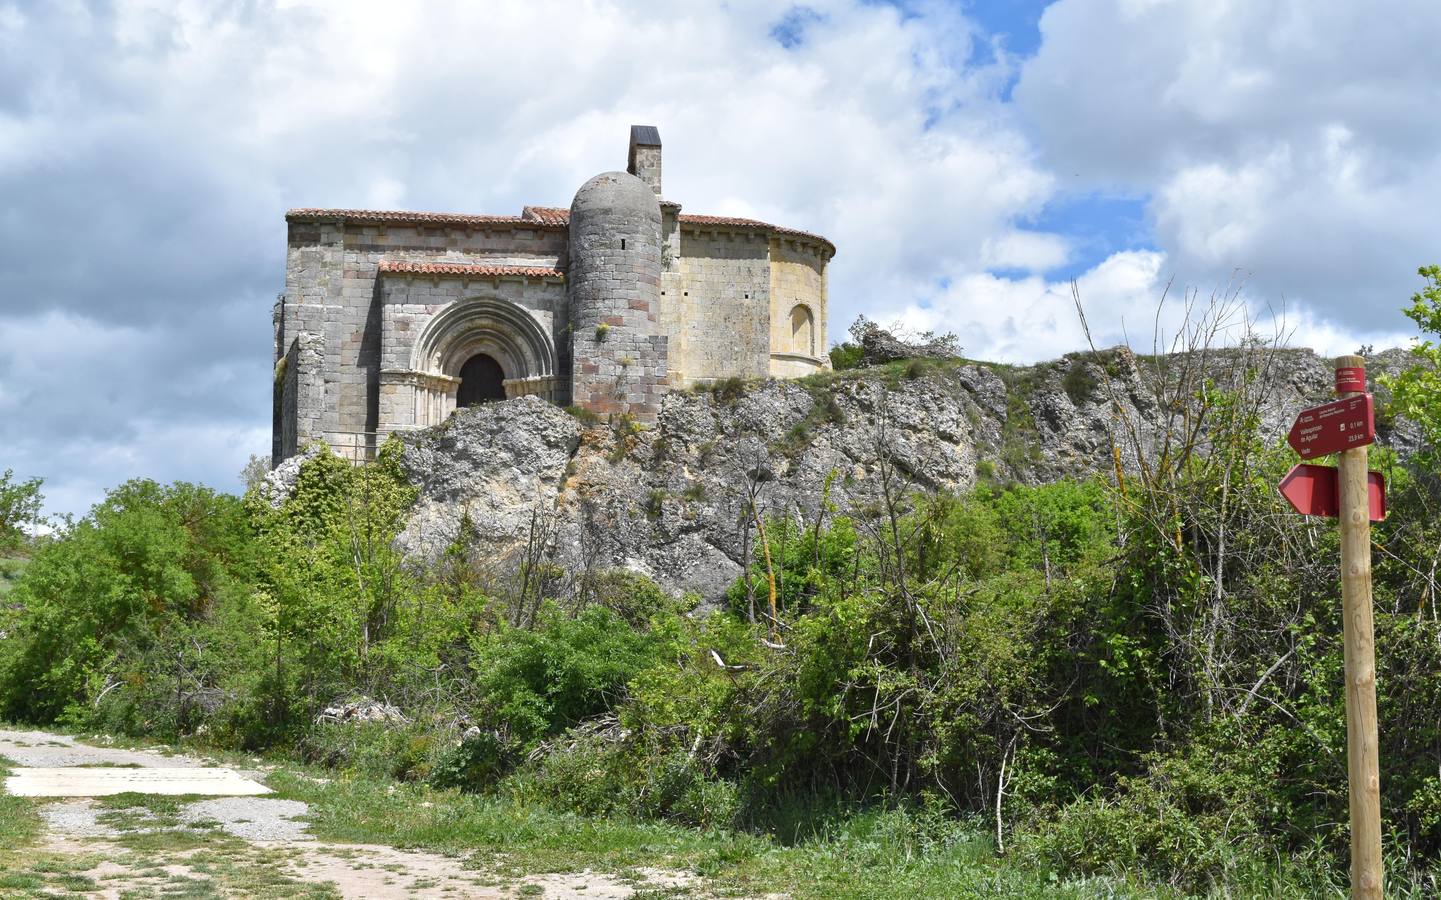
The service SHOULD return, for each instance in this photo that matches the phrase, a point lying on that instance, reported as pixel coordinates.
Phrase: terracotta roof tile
(735, 222)
(547, 217)
(472, 270)
(405, 217)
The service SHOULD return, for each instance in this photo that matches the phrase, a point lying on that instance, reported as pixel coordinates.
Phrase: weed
(586, 417)
(1079, 384)
(728, 390)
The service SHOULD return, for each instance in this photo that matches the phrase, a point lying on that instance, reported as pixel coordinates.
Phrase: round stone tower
(618, 354)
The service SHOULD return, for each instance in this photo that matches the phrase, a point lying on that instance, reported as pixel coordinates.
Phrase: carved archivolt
(490, 325)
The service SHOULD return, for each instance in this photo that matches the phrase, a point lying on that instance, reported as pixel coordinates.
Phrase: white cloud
(1295, 141)
(1027, 250)
(148, 150)
(1025, 319)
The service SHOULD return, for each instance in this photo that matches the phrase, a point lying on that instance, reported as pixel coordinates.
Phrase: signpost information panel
(1357, 498)
(1316, 491)
(1333, 427)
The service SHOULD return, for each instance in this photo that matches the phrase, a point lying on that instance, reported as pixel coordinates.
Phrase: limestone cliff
(673, 501)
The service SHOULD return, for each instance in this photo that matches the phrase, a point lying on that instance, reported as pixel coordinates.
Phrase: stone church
(392, 320)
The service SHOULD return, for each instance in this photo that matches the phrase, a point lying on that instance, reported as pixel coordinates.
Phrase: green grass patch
(19, 820)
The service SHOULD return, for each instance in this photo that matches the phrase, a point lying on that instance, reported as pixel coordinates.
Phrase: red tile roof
(734, 222)
(546, 217)
(403, 267)
(403, 217)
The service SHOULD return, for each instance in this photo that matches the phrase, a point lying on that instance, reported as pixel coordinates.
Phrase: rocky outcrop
(879, 345)
(279, 482)
(674, 501)
(496, 464)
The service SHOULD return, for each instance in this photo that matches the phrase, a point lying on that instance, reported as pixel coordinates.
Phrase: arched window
(803, 330)
(481, 381)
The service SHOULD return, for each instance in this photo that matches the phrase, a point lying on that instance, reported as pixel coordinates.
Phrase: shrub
(847, 356)
(655, 503)
(593, 775)
(129, 620)
(1079, 384)
(586, 417)
(728, 390)
(535, 683)
(383, 749)
(633, 597)
(474, 763)
(1187, 819)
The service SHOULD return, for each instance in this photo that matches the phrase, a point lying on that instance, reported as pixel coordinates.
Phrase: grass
(19, 820)
(23, 871)
(805, 854)
(877, 854)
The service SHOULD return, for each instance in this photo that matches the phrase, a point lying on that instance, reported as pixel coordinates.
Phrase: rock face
(881, 346)
(280, 481)
(674, 501)
(496, 463)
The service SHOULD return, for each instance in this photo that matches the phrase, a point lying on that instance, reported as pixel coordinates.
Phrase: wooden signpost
(1346, 427)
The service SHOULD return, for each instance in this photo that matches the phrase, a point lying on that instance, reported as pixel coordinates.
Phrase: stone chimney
(644, 160)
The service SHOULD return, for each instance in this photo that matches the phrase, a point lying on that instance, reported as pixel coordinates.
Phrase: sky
(971, 160)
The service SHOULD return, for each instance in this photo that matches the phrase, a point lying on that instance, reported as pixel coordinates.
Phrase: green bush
(386, 749)
(1079, 384)
(1187, 819)
(474, 763)
(131, 620)
(728, 391)
(536, 683)
(847, 356)
(595, 776)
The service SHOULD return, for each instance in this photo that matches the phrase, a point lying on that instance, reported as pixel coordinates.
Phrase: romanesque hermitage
(392, 320)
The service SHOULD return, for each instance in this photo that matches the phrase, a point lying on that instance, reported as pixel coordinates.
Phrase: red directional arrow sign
(1313, 491)
(1333, 427)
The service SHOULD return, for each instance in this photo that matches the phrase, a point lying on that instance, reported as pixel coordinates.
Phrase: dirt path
(238, 846)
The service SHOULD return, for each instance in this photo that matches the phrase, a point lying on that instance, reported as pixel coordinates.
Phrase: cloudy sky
(970, 159)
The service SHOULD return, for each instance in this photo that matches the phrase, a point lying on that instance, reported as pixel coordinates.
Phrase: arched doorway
(481, 381)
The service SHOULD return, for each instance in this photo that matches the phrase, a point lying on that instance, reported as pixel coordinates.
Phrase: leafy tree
(1417, 391)
(134, 614)
(19, 506)
(333, 588)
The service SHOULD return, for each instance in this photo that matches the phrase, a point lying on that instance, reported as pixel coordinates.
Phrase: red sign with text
(1333, 427)
(1314, 490)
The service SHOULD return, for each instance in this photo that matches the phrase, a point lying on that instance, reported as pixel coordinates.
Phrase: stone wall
(797, 278)
(620, 355)
(717, 307)
(331, 290)
(300, 381)
(418, 391)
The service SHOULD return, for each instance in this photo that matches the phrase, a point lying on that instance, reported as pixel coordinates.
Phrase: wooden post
(1363, 767)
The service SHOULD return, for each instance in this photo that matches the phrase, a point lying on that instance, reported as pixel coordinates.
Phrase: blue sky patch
(790, 31)
(1097, 225)
(1016, 22)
